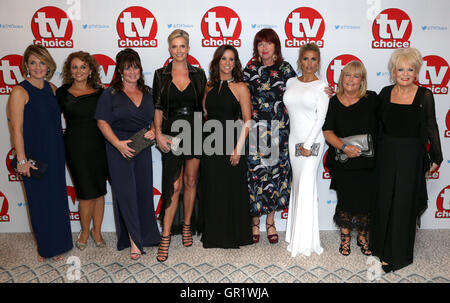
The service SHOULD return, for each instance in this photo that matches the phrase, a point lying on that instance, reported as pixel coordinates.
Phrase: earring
(259, 59)
(48, 72)
(274, 57)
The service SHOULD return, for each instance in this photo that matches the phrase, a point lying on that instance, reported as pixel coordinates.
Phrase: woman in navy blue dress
(37, 134)
(124, 109)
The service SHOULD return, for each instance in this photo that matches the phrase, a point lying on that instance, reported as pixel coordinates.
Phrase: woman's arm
(244, 101)
(350, 150)
(162, 141)
(121, 146)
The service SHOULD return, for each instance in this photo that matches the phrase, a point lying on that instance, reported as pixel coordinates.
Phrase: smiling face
(309, 62)
(79, 70)
(131, 73)
(226, 64)
(351, 82)
(179, 49)
(36, 68)
(405, 73)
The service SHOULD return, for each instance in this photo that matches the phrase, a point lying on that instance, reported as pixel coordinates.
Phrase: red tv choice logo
(73, 204)
(192, 61)
(4, 207)
(13, 176)
(326, 173)
(106, 68)
(443, 203)
(221, 25)
(435, 74)
(335, 67)
(10, 73)
(52, 28)
(447, 124)
(137, 27)
(391, 29)
(304, 25)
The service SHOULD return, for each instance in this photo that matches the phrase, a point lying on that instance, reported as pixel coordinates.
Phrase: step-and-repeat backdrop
(367, 30)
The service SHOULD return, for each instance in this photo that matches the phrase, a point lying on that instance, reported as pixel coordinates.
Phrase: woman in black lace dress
(408, 123)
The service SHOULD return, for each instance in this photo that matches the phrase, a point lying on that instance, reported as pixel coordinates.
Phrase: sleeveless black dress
(225, 198)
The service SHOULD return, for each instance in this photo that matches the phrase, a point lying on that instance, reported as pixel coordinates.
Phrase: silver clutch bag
(314, 149)
(363, 142)
(175, 142)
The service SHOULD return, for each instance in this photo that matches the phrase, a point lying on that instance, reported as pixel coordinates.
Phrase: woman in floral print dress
(269, 177)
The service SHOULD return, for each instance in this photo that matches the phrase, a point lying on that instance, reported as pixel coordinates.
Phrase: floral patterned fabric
(269, 177)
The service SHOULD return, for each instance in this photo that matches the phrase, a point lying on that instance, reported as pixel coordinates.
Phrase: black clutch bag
(139, 142)
(35, 173)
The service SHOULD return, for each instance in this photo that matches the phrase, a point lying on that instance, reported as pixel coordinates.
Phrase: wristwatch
(343, 147)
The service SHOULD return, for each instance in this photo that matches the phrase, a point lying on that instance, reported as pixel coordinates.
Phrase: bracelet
(22, 162)
(343, 146)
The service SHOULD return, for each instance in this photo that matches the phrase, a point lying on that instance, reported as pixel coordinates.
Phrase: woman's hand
(163, 142)
(234, 158)
(329, 91)
(433, 167)
(150, 134)
(24, 169)
(352, 151)
(124, 149)
(305, 152)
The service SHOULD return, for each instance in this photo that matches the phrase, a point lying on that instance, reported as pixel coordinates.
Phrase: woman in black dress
(123, 109)
(85, 144)
(178, 90)
(352, 111)
(224, 188)
(408, 122)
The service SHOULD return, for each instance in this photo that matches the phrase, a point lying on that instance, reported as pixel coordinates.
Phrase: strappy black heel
(187, 235)
(344, 248)
(163, 249)
(361, 241)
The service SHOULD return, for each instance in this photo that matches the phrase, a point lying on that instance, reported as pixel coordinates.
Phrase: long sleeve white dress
(307, 105)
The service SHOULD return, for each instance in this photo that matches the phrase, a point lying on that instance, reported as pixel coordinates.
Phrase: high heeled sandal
(100, 244)
(81, 246)
(361, 241)
(256, 236)
(186, 234)
(163, 249)
(273, 239)
(344, 248)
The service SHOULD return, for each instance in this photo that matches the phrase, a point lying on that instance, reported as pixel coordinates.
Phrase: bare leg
(86, 209)
(171, 210)
(99, 209)
(190, 188)
(270, 220)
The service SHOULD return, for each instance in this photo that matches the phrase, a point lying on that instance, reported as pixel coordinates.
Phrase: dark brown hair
(214, 70)
(124, 59)
(93, 79)
(267, 35)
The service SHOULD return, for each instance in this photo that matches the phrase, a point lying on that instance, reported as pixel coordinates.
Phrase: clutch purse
(175, 142)
(363, 142)
(35, 173)
(139, 142)
(314, 149)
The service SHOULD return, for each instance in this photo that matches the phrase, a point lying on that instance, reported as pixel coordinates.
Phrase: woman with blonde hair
(36, 132)
(352, 111)
(408, 124)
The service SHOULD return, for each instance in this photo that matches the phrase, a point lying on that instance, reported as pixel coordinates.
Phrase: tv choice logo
(435, 173)
(10, 73)
(106, 68)
(304, 25)
(392, 28)
(220, 26)
(137, 27)
(447, 124)
(4, 208)
(443, 203)
(73, 204)
(435, 74)
(13, 176)
(157, 193)
(52, 28)
(192, 61)
(326, 174)
(335, 67)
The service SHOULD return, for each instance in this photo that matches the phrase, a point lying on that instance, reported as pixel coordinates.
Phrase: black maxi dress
(400, 175)
(131, 181)
(84, 142)
(224, 189)
(353, 180)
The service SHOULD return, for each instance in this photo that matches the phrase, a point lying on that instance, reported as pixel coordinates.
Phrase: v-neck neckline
(136, 106)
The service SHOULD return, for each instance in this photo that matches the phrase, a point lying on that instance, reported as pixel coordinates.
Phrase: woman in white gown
(307, 104)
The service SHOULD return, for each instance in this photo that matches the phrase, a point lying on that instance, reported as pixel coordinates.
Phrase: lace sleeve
(432, 128)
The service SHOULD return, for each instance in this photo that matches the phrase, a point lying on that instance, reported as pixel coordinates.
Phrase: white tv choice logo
(435, 74)
(4, 207)
(52, 28)
(447, 124)
(192, 61)
(13, 175)
(443, 203)
(391, 29)
(221, 25)
(106, 68)
(10, 73)
(335, 67)
(304, 25)
(137, 27)
(73, 204)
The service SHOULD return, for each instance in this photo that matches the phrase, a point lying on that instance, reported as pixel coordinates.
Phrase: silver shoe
(101, 244)
(79, 245)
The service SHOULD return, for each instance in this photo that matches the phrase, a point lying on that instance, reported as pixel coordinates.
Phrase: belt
(181, 111)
